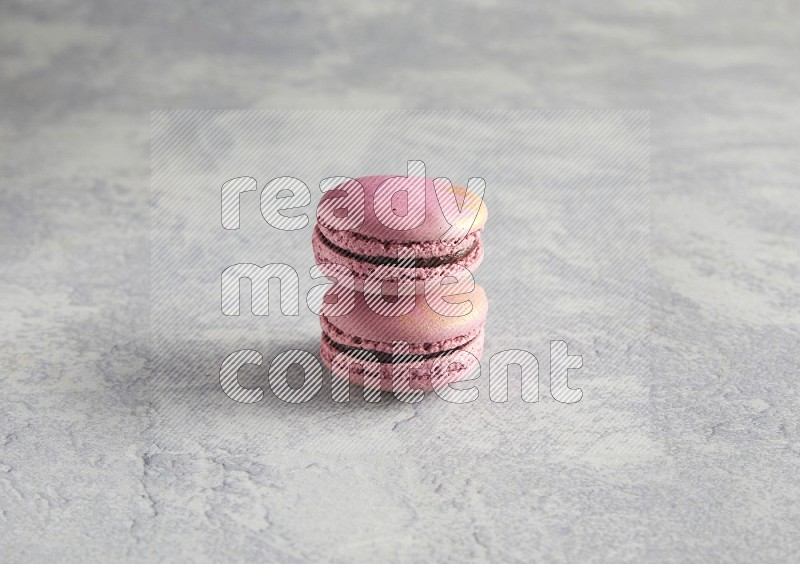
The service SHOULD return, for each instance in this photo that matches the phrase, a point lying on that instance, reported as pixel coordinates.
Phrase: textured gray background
(703, 462)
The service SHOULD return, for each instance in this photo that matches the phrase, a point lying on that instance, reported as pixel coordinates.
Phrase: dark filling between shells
(388, 358)
(432, 262)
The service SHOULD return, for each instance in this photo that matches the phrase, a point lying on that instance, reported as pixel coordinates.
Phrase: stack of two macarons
(399, 330)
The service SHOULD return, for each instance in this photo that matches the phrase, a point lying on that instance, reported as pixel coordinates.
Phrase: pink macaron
(433, 343)
(413, 228)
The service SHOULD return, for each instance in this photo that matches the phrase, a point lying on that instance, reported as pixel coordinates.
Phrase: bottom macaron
(422, 349)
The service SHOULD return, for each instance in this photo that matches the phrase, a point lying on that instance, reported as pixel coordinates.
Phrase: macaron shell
(371, 247)
(422, 325)
(424, 375)
(324, 253)
(430, 347)
(434, 226)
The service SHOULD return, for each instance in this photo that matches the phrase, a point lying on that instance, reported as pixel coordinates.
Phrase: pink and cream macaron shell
(339, 208)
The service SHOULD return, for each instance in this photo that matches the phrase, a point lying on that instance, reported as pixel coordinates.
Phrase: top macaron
(415, 227)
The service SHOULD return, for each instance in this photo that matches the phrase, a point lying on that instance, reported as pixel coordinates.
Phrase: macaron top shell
(422, 325)
(344, 201)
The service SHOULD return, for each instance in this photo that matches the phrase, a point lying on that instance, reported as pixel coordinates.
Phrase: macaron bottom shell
(424, 372)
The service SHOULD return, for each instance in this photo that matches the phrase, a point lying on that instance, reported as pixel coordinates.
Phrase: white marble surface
(702, 463)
